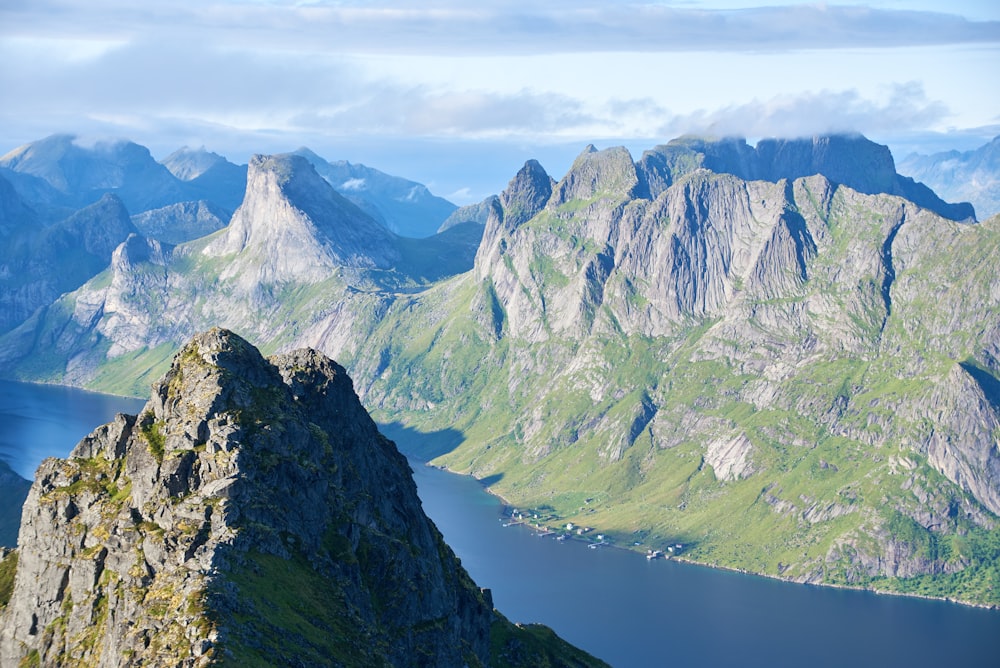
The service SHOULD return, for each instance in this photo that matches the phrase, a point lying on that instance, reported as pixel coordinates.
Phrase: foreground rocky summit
(252, 514)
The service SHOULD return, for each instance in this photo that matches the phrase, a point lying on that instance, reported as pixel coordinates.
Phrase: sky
(457, 95)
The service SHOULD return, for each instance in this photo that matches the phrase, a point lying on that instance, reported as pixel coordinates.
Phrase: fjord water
(39, 421)
(613, 603)
(633, 612)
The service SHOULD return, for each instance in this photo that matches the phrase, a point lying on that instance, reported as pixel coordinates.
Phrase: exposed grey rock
(294, 226)
(730, 457)
(37, 264)
(157, 540)
(850, 160)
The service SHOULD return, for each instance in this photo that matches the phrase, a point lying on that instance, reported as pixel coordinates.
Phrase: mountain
(37, 264)
(185, 221)
(15, 214)
(849, 160)
(252, 514)
(188, 164)
(298, 265)
(404, 207)
(79, 175)
(971, 175)
(208, 177)
(790, 377)
(471, 213)
(779, 371)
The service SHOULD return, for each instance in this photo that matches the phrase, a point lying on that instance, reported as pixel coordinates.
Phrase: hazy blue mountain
(973, 176)
(82, 174)
(15, 215)
(40, 263)
(297, 262)
(188, 164)
(470, 213)
(209, 177)
(177, 223)
(405, 207)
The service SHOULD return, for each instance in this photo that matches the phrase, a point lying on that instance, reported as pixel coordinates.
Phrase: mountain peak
(251, 514)
(847, 159)
(188, 164)
(606, 173)
(294, 225)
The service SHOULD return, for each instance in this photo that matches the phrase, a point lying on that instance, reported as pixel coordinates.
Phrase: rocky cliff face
(721, 337)
(252, 513)
(177, 223)
(37, 263)
(849, 160)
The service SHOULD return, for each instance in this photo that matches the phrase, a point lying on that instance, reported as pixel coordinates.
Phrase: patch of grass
(155, 439)
(8, 568)
(296, 616)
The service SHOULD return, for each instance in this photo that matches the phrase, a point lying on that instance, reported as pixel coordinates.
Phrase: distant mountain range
(784, 357)
(972, 176)
(57, 175)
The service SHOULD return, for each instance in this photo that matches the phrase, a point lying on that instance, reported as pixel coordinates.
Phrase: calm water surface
(39, 421)
(633, 612)
(613, 603)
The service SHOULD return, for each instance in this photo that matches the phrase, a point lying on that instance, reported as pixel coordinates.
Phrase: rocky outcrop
(293, 225)
(252, 513)
(850, 160)
(471, 213)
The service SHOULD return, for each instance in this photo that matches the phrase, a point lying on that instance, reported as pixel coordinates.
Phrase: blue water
(615, 604)
(39, 421)
(633, 612)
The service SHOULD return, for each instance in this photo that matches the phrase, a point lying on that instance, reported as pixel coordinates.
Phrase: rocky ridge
(251, 514)
(717, 338)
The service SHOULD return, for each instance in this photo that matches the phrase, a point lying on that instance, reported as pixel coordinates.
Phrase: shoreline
(506, 506)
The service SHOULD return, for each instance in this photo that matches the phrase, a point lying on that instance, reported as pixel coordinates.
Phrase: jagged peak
(598, 173)
(300, 224)
(526, 194)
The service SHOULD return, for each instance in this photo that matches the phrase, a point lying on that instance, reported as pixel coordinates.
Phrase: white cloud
(810, 113)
